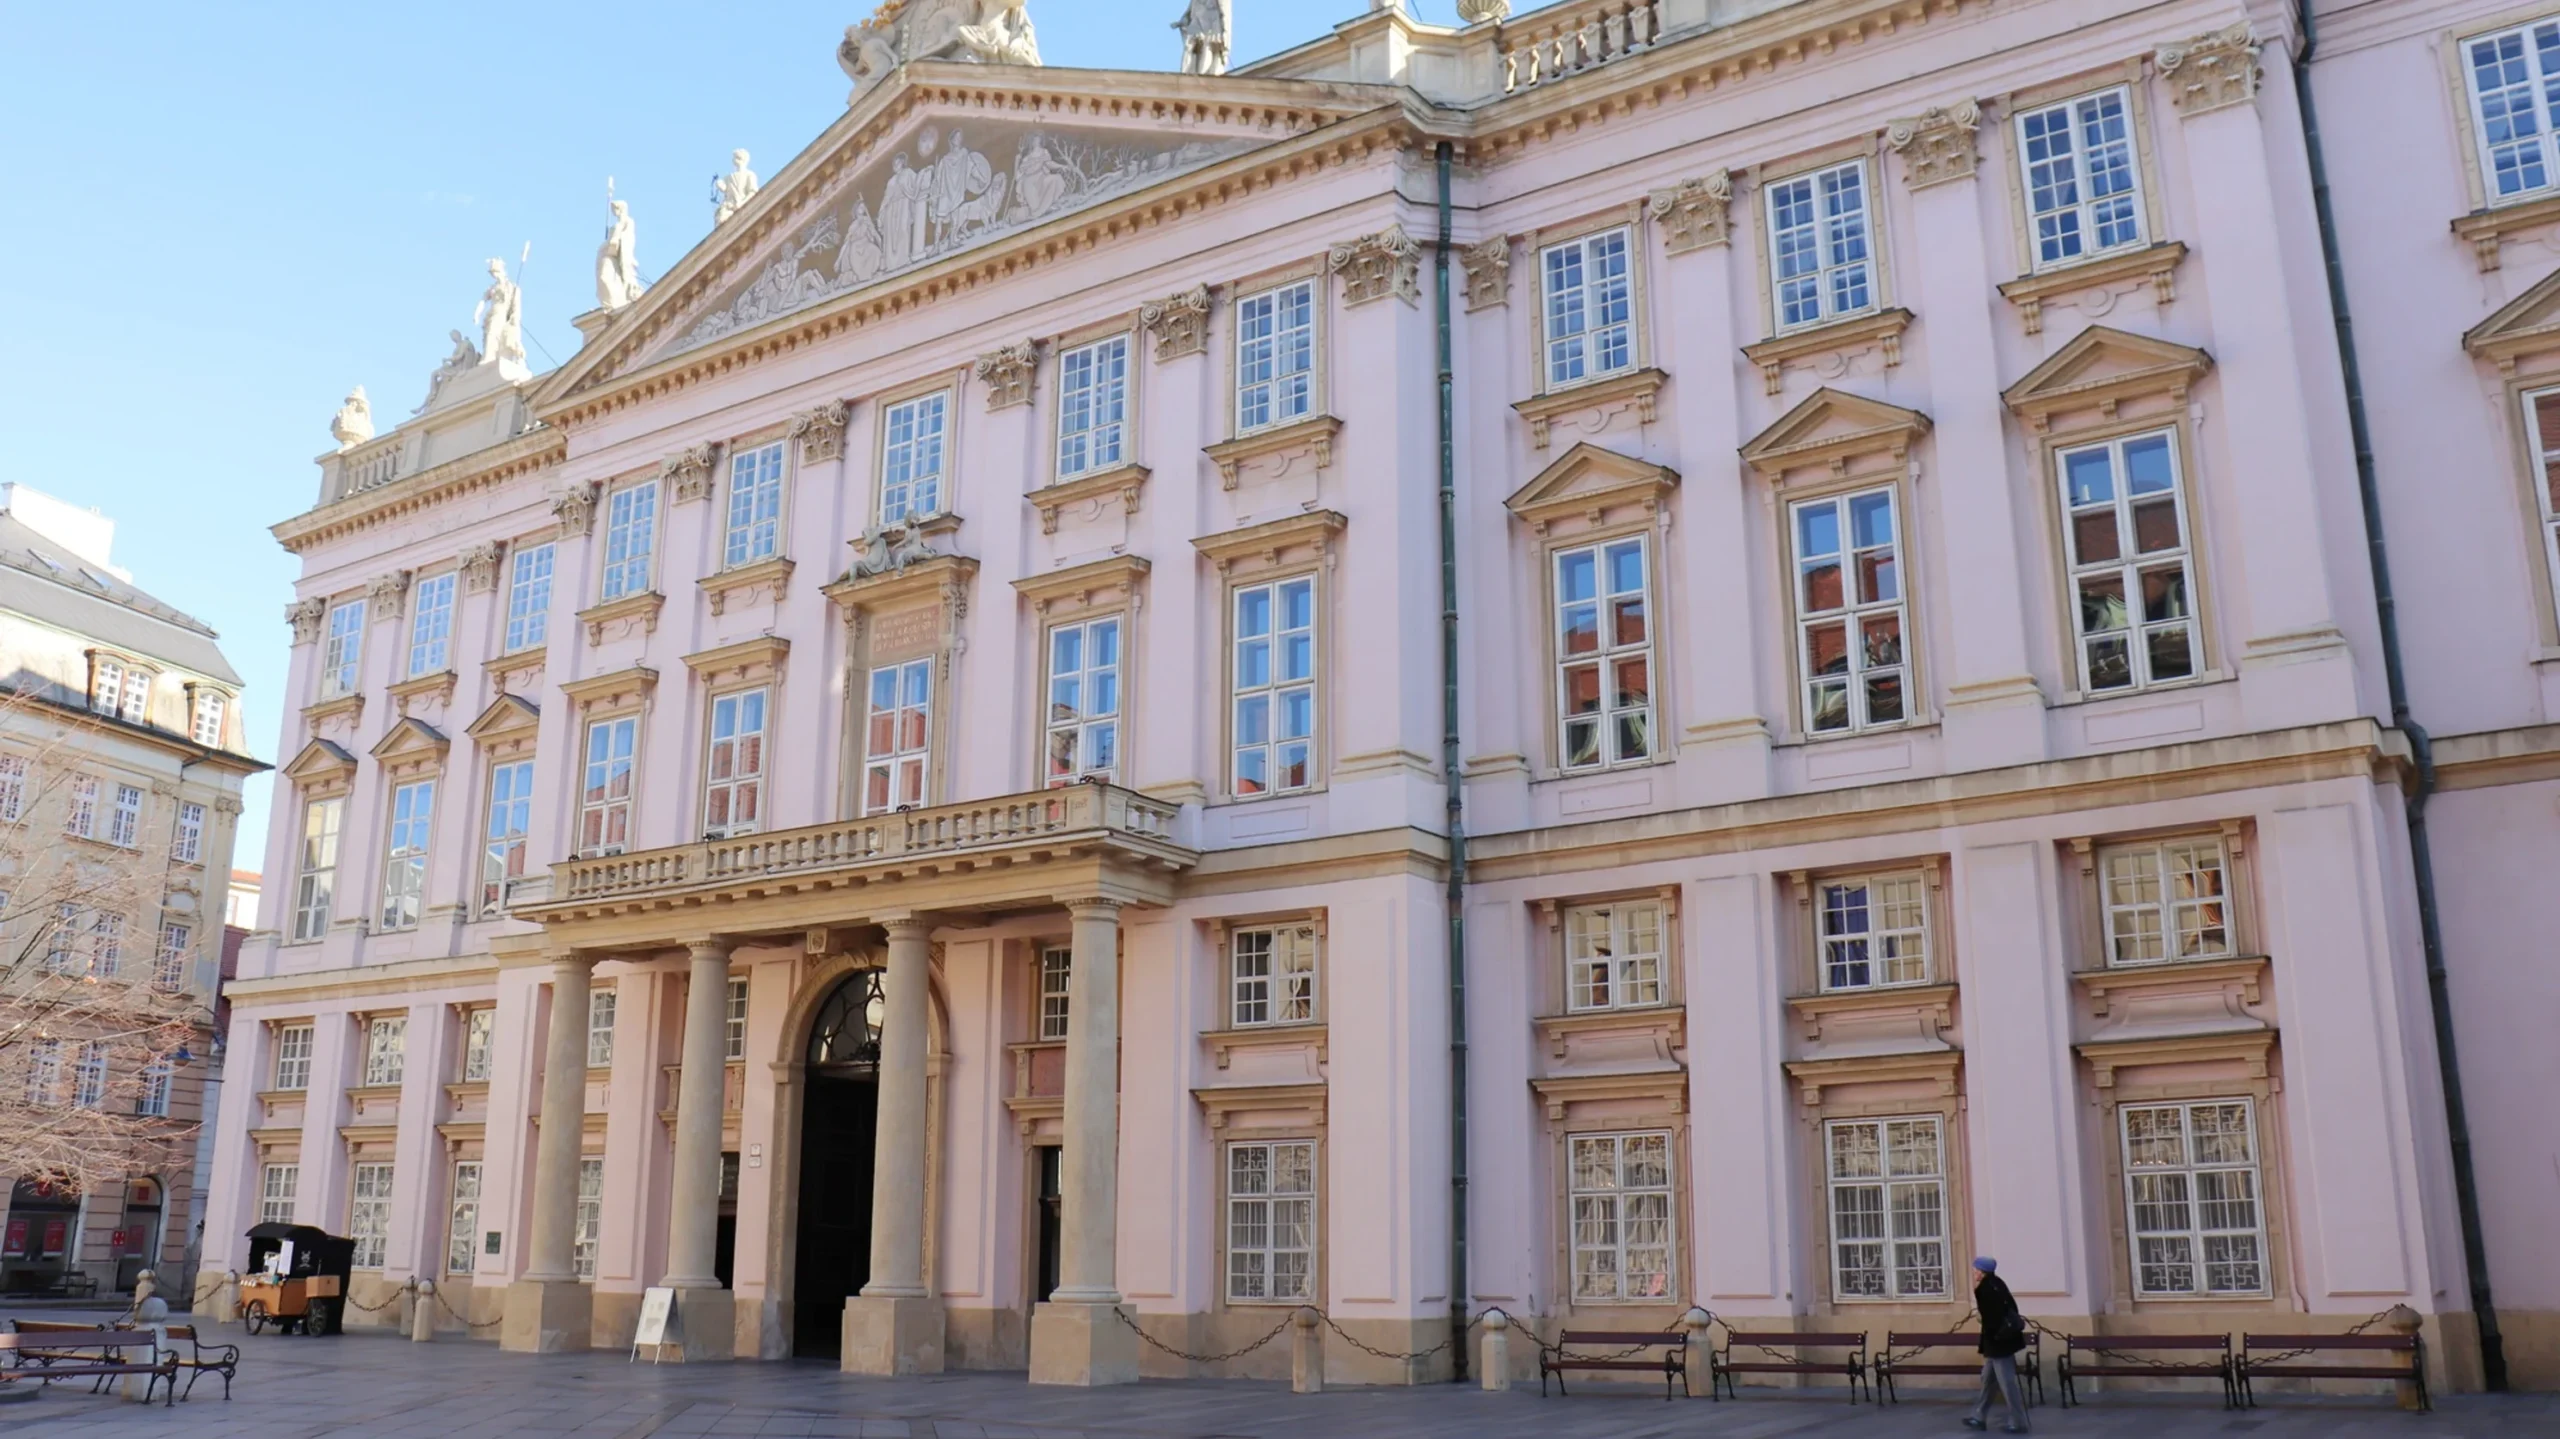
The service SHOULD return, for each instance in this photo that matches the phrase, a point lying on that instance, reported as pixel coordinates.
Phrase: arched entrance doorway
(838, 1128)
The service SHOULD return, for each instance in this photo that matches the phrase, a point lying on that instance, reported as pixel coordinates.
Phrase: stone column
(894, 1326)
(548, 1310)
(1081, 1336)
(706, 1314)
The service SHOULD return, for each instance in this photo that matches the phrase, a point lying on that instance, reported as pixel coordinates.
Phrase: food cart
(297, 1279)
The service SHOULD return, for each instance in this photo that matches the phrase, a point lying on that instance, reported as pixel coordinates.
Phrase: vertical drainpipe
(2466, 1190)
(1456, 802)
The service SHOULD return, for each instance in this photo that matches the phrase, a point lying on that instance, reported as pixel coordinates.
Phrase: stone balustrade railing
(1568, 39)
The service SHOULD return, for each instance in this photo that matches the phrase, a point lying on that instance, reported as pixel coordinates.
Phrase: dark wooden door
(838, 1129)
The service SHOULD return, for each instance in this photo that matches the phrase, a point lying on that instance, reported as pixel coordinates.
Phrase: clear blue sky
(218, 217)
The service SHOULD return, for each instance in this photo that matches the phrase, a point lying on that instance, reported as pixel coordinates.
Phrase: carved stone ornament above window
(2526, 327)
(765, 580)
(894, 549)
(306, 617)
(1124, 481)
(1639, 389)
(1177, 326)
(479, 565)
(1936, 145)
(820, 432)
(1266, 545)
(1881, 331)
(944, 579)
(518, 673)
(1487, 265)
(614, 690)
(1831, 432)
(388, 595)
(688, 472)
(1009, 375)
(320, 765)
(1937, 1068)
(2212, 71)
(508, 717)
(1694, 214)
(2097, 284)
(575, 510)
(639, 611)
(2089, 380)
(411, 744)
(1594, 486)
(1114, 578)
(1313, 436)
(428, 689)
(760, 658)
(1374, 267)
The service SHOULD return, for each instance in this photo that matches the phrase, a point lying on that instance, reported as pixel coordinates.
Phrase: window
(1849, 612)
(342, 652)
(369, 1214)
(44, 1073)
(733, 796)
(2515, 88)
(604, 803)
(914, 446)
(1271, 1222)
(1888, 1209)
(275, 1193)
(630, 536)
(1093, 407)
(897, 748)
(122, 691)
(502, 856)
(755, 505)
(80, 814)
(479, 1036)
(1084, 701)
(462, 1230)
(106, 687)
(2191, 1188)
(151, 1097)
(2084, 196)
(600, 1011)
(177, 947)
(2130, 577)
(1275, 687)
(1589, 308)
(1874, 932)
(590, 1228)
(1821, 256)
(206, 723)
(2542, 420)
(1621, 1216)
(1057, 964)
(106, 944)
(529, 598)
(1604, 654)
(1275, 357)
(2167, 901)
(124, 826)
(1613, 955)
(733, 1023)
(13, 788)
(62, 942)
(404, 863)
(293, 1057)
(319, 866)
(386, 1049)
(1274, 975)
(188, 846)
(89, 1077)
(431, 626)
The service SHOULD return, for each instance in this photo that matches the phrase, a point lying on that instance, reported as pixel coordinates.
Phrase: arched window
(847, 1031)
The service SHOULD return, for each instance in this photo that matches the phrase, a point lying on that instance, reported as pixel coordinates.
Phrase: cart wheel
(321, 1318)
(255, 1316)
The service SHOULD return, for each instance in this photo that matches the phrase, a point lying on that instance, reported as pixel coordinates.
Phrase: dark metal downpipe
(1455, 785)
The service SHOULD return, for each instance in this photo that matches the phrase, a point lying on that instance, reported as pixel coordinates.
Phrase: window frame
(528, 613)
(1289, 995)
(1884, 1182)
(13, 788)
(1275, 690)
(211, 708)
(1924, 883)
(629, 567)
(586, 1229)
(408, 838)
(1619, 1190)
(2252, 1111)
(479, 1044)
(741, 780)
(1853, 615)
(461, 1245)
(892, 770)
(272, 1194)
(170, 960)
(186, 844)
(124, 817)
(1279, 340)
(1622, 961)
(757, 536)
(1234, 1205)
(2133, 115)
(80, 806)
(1117, 348)
(2542, 479)
(341, 670)
(155, 1086)
(386, 1051)
(2130, 562)
(1604, 658)
(603, 809)
(1811, 173)
(369, 1213)
(2227, 864)
(1591, 300)
(315, 875)
(1052, 971)
(431, 610)
(1084, 724)
(946, 398)
(502, 855)
(2545, 106)
(734, 1015)
(291, 1071)
(604, 1007)
(89, 1075)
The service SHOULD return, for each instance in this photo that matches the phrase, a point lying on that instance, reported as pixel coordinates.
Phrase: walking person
(2004, 1333)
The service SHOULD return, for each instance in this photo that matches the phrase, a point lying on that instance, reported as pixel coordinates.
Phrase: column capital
(914, 926)
(1095, 906)
(565, 961)
(718, 946)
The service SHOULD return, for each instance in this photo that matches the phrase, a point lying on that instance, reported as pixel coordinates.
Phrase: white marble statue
(991, 32)
(618, 261)
(500, 319)
(731, 192)
(354, 423)
(1208, 29)
(1002, 36)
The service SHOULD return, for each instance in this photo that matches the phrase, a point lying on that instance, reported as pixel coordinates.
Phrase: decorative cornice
(1178, 325)
(1642, 386)
(1319, 530)
(1936, 145)
(1009, 374)
(1487, 264)
(857, 594)
(2487, 230)
(642, 607)
(1374, 267)
(688, 472)
(1126, 481)
(529, 453)
(1316, 433)
(479, 565)
(765, 653)
(771, 576)
(575, 510)
(820, 432)
(2212, 71)
(436, 686)
(1695, 214)
(1080, 582)
(2156, 263)
(1882, 329)
(388, 595)
(638, 681)
(306, 617)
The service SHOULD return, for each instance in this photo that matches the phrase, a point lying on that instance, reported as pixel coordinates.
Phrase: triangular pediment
(1590, 480)
(1831, 426)
(507, 715)
(2525, 325)
(318, 762)
(408, 739)
(2100, 367)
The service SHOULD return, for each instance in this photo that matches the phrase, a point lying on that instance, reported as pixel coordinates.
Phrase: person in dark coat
(2004, 1333)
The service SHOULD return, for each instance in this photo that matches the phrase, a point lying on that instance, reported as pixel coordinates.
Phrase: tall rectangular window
(2132, 583)
(1084, 701)
(1604, 654)
(293, 1057)
(63, 942)
(1613, 955)
(1888, 1209)
(2542, 421)
(2084, 191)
(479, 1042)
(404, 861)
(755, 506)
(1275, 357)
(1621, 1208)
(1271, 1222)
(1874, 931)
(1588, 302)
(502, 852)
(13, 788)
(342, 650)
(1057, 965)
(369, 1214)
(151, 1093)
(1275, 687)
(604, 795)
(1821, 248)
(630, 540)
(275, 1193)
(44, 1073)
(106, 943)
(462, 1227)
(1849, 612)
(914, 445)
(80, 809)
(2191, 1194)
(733, 771)
(1093, 407)
(589, 1232)
(89, 1076)
(187, 847)
(1273, 975)
(177, 950)
(602, 1003)
(2514, 80)
(124, 824)
(317, 868)
(386, 1049)
(733, 1023)
(431, 626)
(106, 687)
(897, 744)
(2167, 901)
(529, 597)
(205, 723)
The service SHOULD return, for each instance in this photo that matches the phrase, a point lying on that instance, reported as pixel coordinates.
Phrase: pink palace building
(1774, 643)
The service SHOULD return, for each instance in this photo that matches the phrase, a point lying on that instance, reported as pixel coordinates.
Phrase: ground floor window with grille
(590, 1217)
(369, 1214)
(2191, 1194)
(1621, 1193)
(462, 1236)
(275, 1193)
(1888, 1208)
(1271, 1221)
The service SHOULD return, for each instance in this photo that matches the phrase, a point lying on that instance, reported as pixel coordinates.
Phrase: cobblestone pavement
(371, 1384)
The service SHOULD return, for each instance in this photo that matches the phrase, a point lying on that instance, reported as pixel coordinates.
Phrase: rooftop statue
(354, 423)
(500, 319)
(618, 261)
(731, 192)
(1208, 29)
(989, 32)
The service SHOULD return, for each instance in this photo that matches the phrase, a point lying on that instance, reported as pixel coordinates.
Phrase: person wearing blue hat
(2004, 1333)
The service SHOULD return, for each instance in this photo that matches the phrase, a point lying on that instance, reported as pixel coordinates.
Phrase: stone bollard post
(1493, 1365)
(422, 1313)
(226, 1298)
(1306, 1352)
(1701, 1347)
(2404, 1320)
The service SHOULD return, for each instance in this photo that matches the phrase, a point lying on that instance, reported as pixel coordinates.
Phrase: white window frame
(1638, 1194)
(369, 1212)
(598, 804)
(177, 948)
(897, 737)
(205, 724)
(106, 688)
(1615, 956)
(342, 650)
(152, 1086)
(733, 1021)
(1857, 646)
(1881, 1185)
(1056, 967)
(89, 1075)
(386, 1050)
(586, 1236)
(1808, 221)
(188, 845)
(529, 596)
(2180, 1191)
(276, 1186)
(1877, 938)
(630, 541)
(2532, 165)
(504, 841)
(915, 457)
(1090, 729)
(2546, 478)
(736, 747)
(1094, 382)
(404, 855)
(80, 813)
(1276, 356)
(431, 625)
(1273, 661)
(316, 876)
(2167, 901)
(462, 1219)
(1586, 309)
(44, 1074)
(2128, 567)
(1271, 1221)
(293, 1057)
(124, 822)
(13, 788)
(479, 1044)
(1608, 714)
(604, 1005)
(2066, 223)
(106, 943)
(1272, 975)
(755, 506)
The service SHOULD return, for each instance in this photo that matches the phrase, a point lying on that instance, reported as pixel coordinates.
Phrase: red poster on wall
(117, 1240)
(16, 1243)
(55, 1232)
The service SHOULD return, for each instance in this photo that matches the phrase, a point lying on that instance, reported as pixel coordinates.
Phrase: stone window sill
(1316, 433)
(1643, 387)
(1881, 329)
(2156, 263)
(1123, 480)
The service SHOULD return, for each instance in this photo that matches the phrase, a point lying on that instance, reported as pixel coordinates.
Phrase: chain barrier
(438, 1295)
(1459, 1336)
(397, 1295)
(2285, 1355)
(2146, 1362)
(1154, 1343)
(1889, 1358)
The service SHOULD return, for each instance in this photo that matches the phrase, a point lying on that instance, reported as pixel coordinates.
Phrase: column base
(704, 1328)
(888, 1336)
(1084, 1344)
(546, 1316)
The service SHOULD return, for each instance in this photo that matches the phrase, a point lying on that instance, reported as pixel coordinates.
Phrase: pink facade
(1928, 765)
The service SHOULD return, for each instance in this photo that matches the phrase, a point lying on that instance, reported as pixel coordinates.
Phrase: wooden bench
(203, 1359)
(2116, 1359)
(2413, 1370)
(1722, 1366)
(1888, 1364)
(96, 1353)
(1673, 1366)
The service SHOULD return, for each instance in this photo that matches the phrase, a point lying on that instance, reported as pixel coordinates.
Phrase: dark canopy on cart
(315, 1251)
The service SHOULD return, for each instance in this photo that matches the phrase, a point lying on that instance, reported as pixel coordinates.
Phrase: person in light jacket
(2004, 1333)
